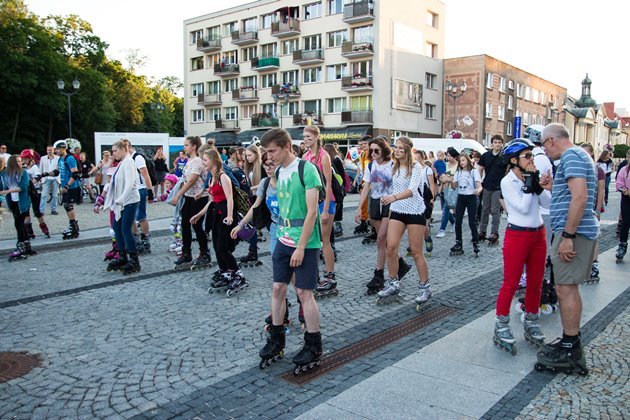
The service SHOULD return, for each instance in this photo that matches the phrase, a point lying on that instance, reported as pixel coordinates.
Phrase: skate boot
(237, 284)
(72, 231)
(390, 294)
(377, 283)
(429, 245)
(458, 249)
(112, 253)
(28, 250)
(143, 245)
(118, 263)
(476, 248)
(403, 268)
(44, 228)
(183, 263)
(30, 234)
(250, 260)
(371, 237)
(201, 262)
(503, 335)
(274, 349)
(493, 239)
(338, 229)
(308, 357)
(594, 273)
(286, 321)
(424, 294)
(362, 228)
(621, 251)
(19, 253)
(327, 287)
(482, 236)
(221, 284)
(217, 275)
(132, 266)
(562, 357)
(533, 334)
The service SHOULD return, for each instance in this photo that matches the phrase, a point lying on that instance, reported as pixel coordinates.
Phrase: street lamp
(76, 85)
(158, 107)
(283, 98)
(452, 91)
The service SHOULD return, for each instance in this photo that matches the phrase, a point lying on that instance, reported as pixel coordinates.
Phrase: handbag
(98, 178)
(450, 197)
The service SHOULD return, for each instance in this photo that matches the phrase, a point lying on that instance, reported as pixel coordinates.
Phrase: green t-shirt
(292, 202)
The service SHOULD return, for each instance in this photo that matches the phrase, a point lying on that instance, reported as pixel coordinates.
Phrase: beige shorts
(579, 268)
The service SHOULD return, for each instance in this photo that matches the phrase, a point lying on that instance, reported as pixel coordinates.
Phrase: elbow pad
(76, 175)
(55, 172)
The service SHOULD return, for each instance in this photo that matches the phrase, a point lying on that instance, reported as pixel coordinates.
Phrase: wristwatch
(568, 235)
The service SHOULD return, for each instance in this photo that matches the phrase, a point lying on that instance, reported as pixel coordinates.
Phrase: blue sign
(517, 127)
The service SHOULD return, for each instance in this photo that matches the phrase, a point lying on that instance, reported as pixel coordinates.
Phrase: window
(267, 20)
(269, 50)
(535, 96)
(488, 110)
(213, 59)
(231, 113)
(247, 111)
(336, 72)
(510, 102)
(230, 27)
(336, 105)
(230, 85)
(197, 115)
(501, 84)
(312, 11)
(250, 25)
(430, 80)
(511, 84)
(528, 93)
(501, 112)
(248, 53)
(429, 111)
(214, 32)
(313, 107)
(290, 109)
(432, 19)
(313, 42)
(268, 109)
(431, 50)
(486, 139)
(196, 63)
(214, 87)
(289, 46)
(290, 77)
(335, 7)
(196, 89)
(525, 118)
(214, 114)
(312, 75)
(249, 81)
(520, 90)
(231, 57)
(195, 36)
(268, 80)
(489, 80)
(508, 128)
(361, 103)
(363, 34)
(335, 39)
(361, 69)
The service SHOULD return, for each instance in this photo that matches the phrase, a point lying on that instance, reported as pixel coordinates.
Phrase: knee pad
(68, 207)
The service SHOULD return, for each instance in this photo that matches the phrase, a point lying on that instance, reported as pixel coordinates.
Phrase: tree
(620, 151)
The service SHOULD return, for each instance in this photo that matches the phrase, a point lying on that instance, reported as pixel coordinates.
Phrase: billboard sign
(406, 96)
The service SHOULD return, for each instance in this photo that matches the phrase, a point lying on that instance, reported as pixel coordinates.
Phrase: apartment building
(351, 67)
(497, 95)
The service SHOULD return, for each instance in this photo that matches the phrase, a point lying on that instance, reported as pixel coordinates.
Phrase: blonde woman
(254, 173)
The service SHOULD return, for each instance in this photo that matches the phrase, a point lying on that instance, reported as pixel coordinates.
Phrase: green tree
(620, 150)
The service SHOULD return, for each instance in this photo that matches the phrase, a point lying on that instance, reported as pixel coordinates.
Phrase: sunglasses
(375, 151)
(545, 141)
(526, 156)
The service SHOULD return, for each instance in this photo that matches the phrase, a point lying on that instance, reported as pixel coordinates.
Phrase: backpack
(322, 190)
(262, 215)
(427, 196)
(150, 167)
(241, 200)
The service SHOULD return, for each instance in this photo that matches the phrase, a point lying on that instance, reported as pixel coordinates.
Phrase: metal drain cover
(16, 364)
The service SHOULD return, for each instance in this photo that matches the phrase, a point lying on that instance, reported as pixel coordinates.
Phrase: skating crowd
(552, 191)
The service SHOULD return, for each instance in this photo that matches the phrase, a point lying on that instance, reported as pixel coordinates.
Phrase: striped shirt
(574, 163)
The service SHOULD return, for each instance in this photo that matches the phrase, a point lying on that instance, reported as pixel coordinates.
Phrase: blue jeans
(122, 229)
(447, 216)
(49, 186)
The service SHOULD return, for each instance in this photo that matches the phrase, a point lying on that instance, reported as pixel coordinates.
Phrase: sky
(558, 40)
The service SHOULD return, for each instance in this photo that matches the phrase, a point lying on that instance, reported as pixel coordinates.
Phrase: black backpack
(150, 167)
(427, 196)
(262, 215)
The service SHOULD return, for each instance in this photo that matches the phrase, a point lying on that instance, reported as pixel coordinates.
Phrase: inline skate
(327, 287)
(132, 266)
(183, 263)
(533, 334)
(143, 245)
(221, 284)
(482, 236)
(250, 260)
(377, 283)
(403, 268)
(458, 249)
(562, 357)
(503, 335)
(72, 231)
(338, 229)
(237, 284)
(424, 294)
(30, 233)
(370, 238)
(476, 248)
(286, 321)
(621, 252)
(19, 253)
(28, 250)
(429, 245)
(493, 239)
(308, 357)
(594, 278)
(390, 294)
(362, 229)
(274, 349)
(44, 228)
(202, 262)
(112, 253)
(119, 263)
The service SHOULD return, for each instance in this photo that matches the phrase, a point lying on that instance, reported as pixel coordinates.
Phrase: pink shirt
(317, 161)
(623, 179)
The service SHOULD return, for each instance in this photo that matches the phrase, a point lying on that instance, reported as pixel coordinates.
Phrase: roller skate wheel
(230, 293)
(539, 367)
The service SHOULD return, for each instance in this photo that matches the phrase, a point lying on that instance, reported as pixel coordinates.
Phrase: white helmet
(534, 133)
(60, 144)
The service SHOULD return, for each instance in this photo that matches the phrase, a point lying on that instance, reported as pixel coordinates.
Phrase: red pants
(522, 248)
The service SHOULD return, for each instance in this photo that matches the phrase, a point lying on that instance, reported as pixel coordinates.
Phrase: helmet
(60, 144)
(515, 147)
(246, 233)
(27, 154)
(171, 177)
(534, 133)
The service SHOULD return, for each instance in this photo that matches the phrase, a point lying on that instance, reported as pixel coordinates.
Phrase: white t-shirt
(33, 171)
(466, 181)
(140, 163)
(6, 157)
(543, 165)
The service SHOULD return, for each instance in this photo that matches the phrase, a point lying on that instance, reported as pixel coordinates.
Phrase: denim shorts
(305, 275)
(332, 209)
(141, 214)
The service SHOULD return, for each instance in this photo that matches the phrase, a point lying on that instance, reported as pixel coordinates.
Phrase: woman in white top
(102, 168)
(467, 182)
(406, 212)
(524, 243)
(122, 199)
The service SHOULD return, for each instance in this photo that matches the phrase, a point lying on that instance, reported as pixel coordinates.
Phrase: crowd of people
(552, 191)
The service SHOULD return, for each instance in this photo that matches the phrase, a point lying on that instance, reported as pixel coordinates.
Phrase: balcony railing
(264, 120)
(226, 69)
(356, 117)
(354, 49)
(226, 125)
(359, 11)
(305, 57)
(265, 63)
(289, 88)
(207, 44)
(357, 83)
(245, 94)
(209, 99)
(307, 118)
(244, 38)
(286, 28)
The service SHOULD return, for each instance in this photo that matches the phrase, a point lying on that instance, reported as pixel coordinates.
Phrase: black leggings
(625, 218)
(466, 202)
(189, 209)
(18, 219)
(222, 243)
(36, 198)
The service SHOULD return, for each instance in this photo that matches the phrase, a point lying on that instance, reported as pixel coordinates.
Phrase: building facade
(351, 67)
(496, 94)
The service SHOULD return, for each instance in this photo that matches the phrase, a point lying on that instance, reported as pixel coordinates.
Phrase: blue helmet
(515, 147)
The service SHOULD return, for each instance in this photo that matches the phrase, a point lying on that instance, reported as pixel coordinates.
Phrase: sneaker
(451, 228)
(440, 234)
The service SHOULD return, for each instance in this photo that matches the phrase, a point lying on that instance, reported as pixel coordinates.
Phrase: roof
(579, 112)
(609, 110)
(611, 123)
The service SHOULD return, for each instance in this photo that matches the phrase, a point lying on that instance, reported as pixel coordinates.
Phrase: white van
(435, 144)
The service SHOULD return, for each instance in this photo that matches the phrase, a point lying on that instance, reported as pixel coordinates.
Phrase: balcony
(284, 29)
(264, 121)
(356, 117)
(292, 90)
(357, 49)
(209, 100)
(357, 83)
(307, 57)
(307, 118)
(209, 45)
(358, 12)
(245, 94)
(265, 64)
(226, 70)
(226, 125)
(244, 38)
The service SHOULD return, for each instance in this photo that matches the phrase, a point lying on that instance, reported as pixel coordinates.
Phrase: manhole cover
(14, 365)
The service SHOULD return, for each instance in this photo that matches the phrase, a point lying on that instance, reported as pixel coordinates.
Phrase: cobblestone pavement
(157, 344)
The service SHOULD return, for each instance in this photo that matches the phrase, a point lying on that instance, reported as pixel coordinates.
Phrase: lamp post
(452, 91)
(76, 85)
(158, 107)
(283, 98)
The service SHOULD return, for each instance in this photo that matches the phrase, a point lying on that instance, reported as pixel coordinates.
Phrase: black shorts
(71, 196)
(305, 275)
(378, 212)
(409, 219)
